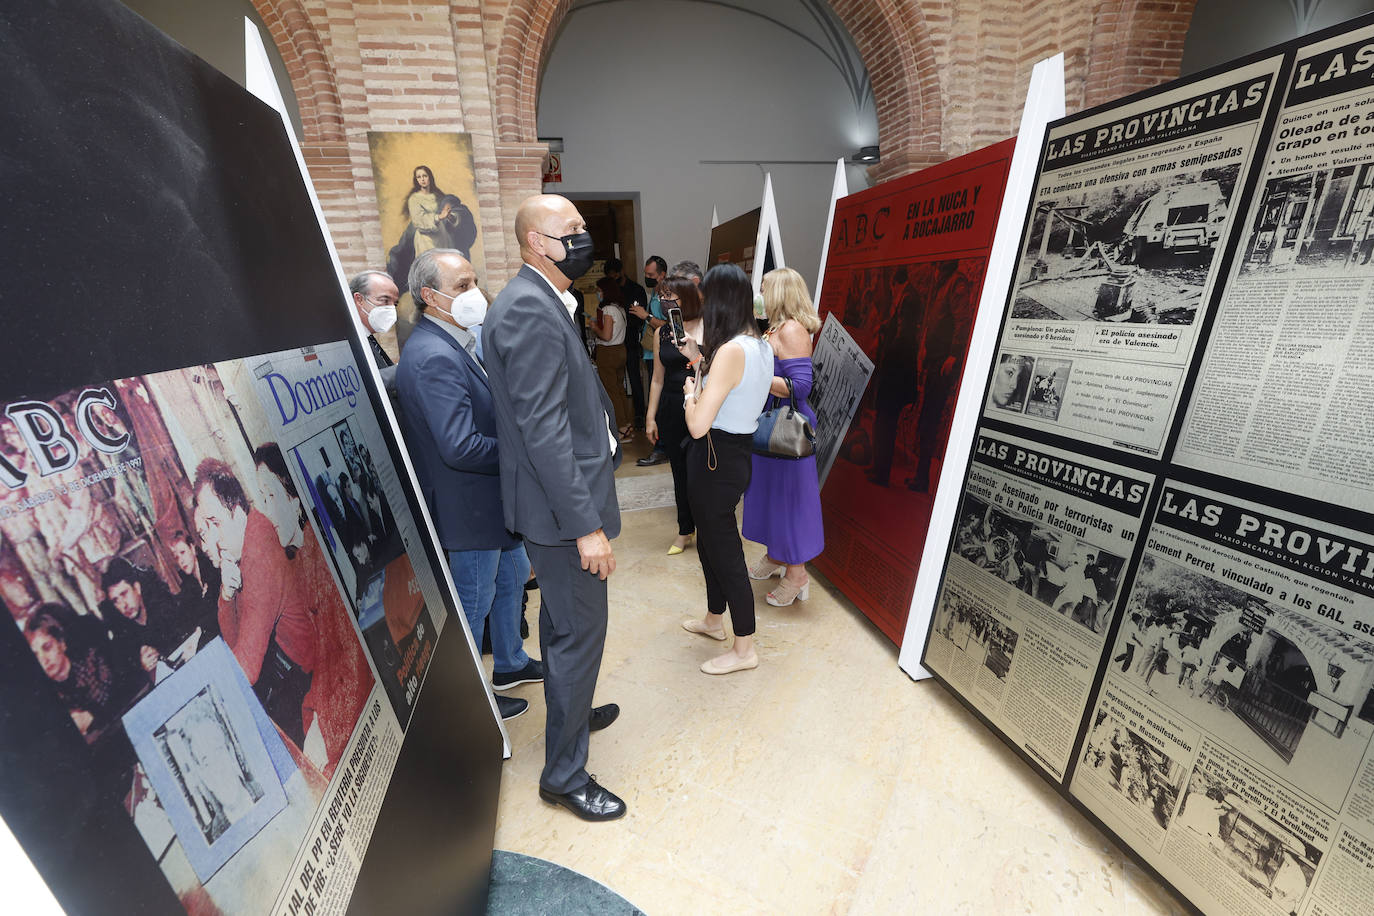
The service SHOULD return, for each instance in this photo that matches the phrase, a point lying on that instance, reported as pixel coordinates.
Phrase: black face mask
(650, 282)
(577, 254)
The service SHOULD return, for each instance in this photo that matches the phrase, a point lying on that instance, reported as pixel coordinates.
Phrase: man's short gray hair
(362, 280)
(688, 269)
(425, 272)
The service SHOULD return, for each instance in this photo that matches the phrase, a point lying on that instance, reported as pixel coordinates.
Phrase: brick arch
(891, 35)
(1136, 44)
(312, 79)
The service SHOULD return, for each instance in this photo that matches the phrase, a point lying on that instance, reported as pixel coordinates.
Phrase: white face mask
(468, 309)
(382, 318)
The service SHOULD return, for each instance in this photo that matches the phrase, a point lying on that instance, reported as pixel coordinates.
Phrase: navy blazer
(450, 432)
(557, 463)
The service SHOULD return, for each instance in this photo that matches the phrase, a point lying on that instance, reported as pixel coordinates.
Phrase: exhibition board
(1160, 586)
(230, 642)
(733, 241)
(904, 272)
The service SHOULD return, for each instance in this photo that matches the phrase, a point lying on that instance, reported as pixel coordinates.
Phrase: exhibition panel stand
(1044, 103)
(234, 684)
(905, 267)
(1159, 589)
(900, 365)
(751, 240)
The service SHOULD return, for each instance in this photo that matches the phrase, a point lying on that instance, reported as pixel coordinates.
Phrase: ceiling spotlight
(866, 154)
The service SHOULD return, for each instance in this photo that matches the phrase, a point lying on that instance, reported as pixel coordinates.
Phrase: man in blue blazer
(450, 432)
(558, 458)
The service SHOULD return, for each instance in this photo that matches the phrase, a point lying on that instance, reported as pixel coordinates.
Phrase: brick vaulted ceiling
(947, 76)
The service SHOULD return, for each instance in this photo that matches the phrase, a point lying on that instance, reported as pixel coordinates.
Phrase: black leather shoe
(511, 707)
(602, 716)
(652, 459)
(532, 673)
(591, 802)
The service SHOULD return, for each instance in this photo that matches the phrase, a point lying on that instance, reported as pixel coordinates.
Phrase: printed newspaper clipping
(1286, 392)
(1040, 544)
(841, 370)
(195, 558)
(314, 400)
(1230, 743)
(1125, 233)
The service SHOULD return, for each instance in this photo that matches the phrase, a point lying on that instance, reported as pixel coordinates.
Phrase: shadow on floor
(525, 885)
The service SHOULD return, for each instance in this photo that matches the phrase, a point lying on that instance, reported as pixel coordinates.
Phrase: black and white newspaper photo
(1248, 633)
(1132, 210)
(1286, 389)
(1136, 763)
(841, 370)
(1242, 842)
(1040, 545)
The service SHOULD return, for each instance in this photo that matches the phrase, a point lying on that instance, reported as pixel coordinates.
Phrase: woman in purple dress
(782, 507)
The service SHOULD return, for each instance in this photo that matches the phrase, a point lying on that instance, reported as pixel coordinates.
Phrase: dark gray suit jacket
(557, 465)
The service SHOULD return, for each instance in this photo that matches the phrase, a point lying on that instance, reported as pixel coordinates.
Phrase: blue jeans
(490, 583)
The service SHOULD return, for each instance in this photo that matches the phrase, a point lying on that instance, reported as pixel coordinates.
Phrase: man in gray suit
(558, 457)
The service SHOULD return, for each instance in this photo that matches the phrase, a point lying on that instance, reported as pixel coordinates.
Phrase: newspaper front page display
(841, 370)
(1040, 546)
(1123, 243)
(1285, 397)
(903, 276)
(1230, 742)
(195, 558)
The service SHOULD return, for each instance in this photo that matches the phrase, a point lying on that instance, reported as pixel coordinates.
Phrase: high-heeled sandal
(766, 569)
(786, 593)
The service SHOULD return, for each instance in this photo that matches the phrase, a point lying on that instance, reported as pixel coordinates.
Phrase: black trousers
(572, 636)
(673, 439)
(634, 368)
(686, 523)
(718, 470)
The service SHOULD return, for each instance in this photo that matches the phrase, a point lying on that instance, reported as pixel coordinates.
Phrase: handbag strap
(775, 400)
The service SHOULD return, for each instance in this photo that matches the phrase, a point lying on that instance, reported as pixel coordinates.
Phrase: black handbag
(784, 431)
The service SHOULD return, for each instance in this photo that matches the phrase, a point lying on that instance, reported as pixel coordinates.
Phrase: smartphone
(675, 322)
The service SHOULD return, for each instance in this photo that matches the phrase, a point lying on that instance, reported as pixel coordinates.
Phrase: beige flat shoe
(694, 625)
(786, 593)
(732, 663)
(763, 569)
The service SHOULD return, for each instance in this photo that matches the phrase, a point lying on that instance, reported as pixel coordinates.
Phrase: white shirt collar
(569, 300)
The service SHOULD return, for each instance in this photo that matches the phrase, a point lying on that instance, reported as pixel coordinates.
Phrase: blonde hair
(785, 296)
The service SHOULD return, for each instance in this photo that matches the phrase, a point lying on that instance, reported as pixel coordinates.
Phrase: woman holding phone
(736, 369)
(667, 422)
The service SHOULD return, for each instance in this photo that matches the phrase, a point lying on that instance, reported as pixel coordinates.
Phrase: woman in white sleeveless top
(610, 352)
(736, 368)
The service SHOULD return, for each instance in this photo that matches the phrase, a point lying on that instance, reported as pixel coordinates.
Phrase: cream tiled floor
(824, 781)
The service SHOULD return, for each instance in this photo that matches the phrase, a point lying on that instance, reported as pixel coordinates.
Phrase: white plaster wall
(1223, 30)
(642, 91)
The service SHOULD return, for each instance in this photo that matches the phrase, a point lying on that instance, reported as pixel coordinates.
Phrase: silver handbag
(784, 431)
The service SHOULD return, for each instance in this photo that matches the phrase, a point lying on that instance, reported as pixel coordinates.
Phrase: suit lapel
(535, 277)
(474, 367)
